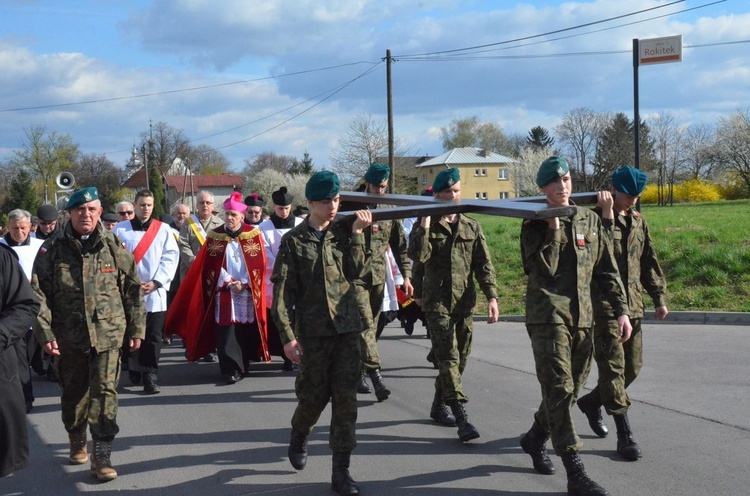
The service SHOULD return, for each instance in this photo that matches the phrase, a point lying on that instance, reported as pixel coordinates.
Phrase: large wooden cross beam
(529, 207)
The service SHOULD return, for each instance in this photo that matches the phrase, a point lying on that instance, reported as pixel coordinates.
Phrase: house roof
(201, 181)
(465, 156)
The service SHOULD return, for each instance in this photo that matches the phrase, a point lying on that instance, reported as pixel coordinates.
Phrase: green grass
(703, 248)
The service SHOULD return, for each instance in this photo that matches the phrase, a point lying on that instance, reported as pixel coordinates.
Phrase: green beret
(377, 173)
(81, 196)
(322, 185)
(551, 169)
(629, 180)
(445, 179)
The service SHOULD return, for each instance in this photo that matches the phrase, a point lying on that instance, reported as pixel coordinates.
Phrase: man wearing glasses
(47, 215)
(124, 211)
(193, 235)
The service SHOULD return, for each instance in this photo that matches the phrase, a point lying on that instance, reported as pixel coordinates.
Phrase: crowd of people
(94, 294)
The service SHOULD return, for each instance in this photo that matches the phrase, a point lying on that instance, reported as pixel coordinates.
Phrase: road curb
(712, 318)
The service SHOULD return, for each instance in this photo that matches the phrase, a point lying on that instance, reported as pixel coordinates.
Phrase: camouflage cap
(445, 179)
(322, 185)
(551, 169)
(81, 196)
(377, 173)
(629, 180)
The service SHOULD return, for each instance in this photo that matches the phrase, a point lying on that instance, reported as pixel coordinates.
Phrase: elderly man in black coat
(18, 309)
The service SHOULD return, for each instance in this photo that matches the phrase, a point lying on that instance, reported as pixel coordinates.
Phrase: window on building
(502, 174)
(484, 172)
(477, 195)
(484, 195)
(504, 195)
(424, 178)
(476, 172)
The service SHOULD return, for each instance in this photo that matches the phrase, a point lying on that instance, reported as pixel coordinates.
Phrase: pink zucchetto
(235, 203)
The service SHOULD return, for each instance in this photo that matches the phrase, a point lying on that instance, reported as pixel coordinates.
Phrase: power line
(368, 71)
(555, 55)
(182, 90)
(580, 34)
(543, 34)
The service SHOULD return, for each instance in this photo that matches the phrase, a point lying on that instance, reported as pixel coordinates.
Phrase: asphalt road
(690, 415)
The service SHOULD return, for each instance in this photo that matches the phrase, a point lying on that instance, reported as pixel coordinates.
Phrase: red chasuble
(192, 313)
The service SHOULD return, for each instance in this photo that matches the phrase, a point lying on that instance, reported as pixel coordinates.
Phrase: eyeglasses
(205, 203)
(125, 212)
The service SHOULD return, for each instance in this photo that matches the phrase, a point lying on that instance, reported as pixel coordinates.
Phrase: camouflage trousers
(89, 391)
(562, 356)
(451, 336)
(618, 363)
(369, 346)
(330, 367)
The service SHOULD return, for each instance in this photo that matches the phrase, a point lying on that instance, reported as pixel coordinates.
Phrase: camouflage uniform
(620, 363)
(320, 299)
(453, 255)
(91, 301)
(378, 237)
(561, 263)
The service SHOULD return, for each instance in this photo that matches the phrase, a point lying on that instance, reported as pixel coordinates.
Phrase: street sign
(660, 50)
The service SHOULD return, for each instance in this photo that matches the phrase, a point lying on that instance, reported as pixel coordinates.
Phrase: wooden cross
(529, 207)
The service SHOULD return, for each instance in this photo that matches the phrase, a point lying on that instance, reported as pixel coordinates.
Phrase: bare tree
(733, 144)
(205, 159)
(269, 180)
(525, 168)
(471, 132)
(578, 133)
(163, 144)
(98, 170)
(669, 137)
(45, 155)
(699, 161)
(269, 160)
(365, 140)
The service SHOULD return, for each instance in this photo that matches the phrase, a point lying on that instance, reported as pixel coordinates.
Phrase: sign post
(648, 52)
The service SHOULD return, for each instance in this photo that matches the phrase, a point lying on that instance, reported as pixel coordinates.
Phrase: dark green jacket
(452, 259)
(638, 266)
(561, 263)
(319, 285)
(90, 298)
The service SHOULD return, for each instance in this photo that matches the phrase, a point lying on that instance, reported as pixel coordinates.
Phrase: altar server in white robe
(157, 257)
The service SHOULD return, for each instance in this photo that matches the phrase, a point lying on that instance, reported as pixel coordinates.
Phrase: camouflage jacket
(378, 237)
(561, 263)
(453, 256)
(637, 263)
(91, 298)
(319, 283)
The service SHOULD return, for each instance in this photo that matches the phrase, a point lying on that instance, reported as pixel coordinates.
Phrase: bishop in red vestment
(221, 302)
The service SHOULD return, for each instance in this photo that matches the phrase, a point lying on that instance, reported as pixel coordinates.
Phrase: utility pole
(389, 98)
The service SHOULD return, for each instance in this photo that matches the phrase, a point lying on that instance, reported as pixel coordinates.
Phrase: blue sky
(60, 52)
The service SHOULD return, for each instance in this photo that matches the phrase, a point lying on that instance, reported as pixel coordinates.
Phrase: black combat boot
(591, 406)
(534, 444)
(466, 431)
(363, 387)
(341, 482)
(440, 412)
(626, 446)
(579, 483)
(381, 390)
(298, 449)
(149, 383)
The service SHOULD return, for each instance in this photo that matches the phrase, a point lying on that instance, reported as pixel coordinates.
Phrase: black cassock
(18, 310)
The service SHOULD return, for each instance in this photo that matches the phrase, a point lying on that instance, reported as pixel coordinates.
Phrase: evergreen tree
(539, 138)
(22, 194)
(304, 167)
(613, 149)
(156, 185)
